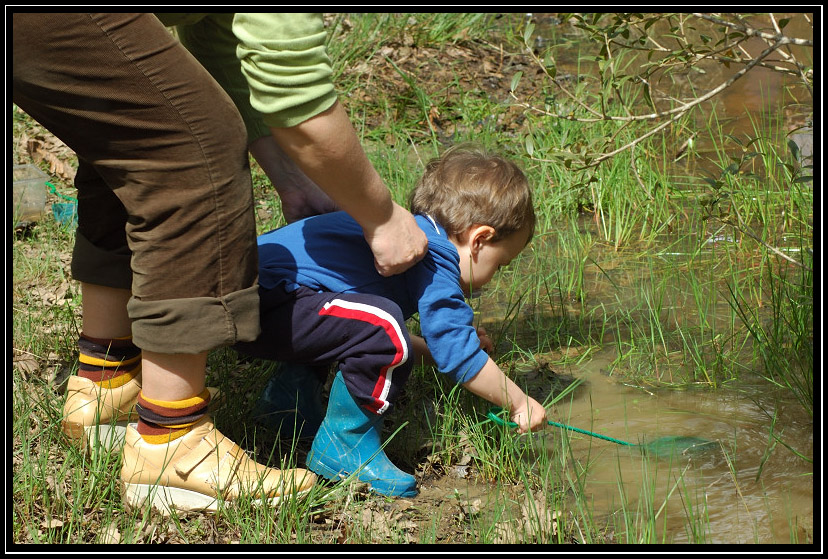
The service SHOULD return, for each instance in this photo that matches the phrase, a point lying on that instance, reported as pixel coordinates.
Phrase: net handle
(494, 415)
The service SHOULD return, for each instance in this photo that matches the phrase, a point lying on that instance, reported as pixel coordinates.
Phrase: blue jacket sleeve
(446, 320)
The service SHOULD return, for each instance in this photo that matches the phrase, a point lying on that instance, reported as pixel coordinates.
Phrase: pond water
(737, 493)
(763, 98)
(749, 488)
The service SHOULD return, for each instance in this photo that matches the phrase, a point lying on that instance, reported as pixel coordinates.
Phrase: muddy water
(748, 489)
(720, 485)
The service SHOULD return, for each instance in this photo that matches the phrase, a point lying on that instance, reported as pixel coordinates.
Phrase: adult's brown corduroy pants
(164, 192)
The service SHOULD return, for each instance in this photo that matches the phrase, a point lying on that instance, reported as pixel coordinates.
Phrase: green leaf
(529, 142)
(551, 67)
(527, 34)
(735, 139)
(646, 89)
(794, 149)
(515, 80)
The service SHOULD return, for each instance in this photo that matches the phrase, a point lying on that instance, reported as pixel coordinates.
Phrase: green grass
(621, 260)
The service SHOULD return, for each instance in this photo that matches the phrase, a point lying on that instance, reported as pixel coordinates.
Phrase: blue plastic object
(66, 213)
(349, 443)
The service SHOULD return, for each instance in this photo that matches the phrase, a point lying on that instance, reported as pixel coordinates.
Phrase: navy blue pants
(365, 335)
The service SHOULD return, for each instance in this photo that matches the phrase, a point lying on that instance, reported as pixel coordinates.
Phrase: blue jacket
(329, 253)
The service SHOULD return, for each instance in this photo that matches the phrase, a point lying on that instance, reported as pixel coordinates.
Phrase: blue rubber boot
(349, 441)
(291, 403)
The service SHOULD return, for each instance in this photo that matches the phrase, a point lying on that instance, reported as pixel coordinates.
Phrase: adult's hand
(398, 243)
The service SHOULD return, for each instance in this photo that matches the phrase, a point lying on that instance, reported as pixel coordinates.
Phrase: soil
(444, 75)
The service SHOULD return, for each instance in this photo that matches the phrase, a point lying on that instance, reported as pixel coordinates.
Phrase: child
(323, 302)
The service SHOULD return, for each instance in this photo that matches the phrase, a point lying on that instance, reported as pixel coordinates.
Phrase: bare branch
(774, 44)
(776, 38)
(653, 116)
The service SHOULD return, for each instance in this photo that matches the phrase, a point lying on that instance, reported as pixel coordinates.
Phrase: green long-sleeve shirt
(274, 66)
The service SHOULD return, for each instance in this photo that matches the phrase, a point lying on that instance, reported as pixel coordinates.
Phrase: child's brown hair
(468, 186)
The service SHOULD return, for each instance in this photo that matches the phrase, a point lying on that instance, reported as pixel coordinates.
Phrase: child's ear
(480, 236)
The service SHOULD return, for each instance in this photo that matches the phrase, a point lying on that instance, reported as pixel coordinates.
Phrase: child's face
(480, 258)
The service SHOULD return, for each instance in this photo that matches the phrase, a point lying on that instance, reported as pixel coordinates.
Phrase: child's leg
(367, 336)
(349, 443)
(364, 334)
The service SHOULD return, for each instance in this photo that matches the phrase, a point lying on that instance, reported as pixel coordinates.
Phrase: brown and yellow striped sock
(109, 363)
(162, 421)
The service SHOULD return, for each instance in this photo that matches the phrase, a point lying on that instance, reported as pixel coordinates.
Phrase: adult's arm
(328, 150)
(299, 196)
(284, 60)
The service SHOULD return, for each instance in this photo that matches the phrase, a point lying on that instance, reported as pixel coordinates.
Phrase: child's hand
(485, 341)
(529, 415)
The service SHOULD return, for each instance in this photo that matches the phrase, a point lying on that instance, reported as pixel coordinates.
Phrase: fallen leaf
(51, 523)
(111, 534)
(460, 471)
(472, 508)
(39, 151)
(26, 363)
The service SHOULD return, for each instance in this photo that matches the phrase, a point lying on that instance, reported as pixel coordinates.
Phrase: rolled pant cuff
(110, 268)
(197, 324)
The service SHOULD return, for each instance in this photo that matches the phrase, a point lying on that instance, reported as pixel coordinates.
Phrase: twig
(634, 143)
(776, 38)
(744, 229)
(678, 114)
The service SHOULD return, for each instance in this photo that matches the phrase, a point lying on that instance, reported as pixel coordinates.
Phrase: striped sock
(109, 363)
(162, 421)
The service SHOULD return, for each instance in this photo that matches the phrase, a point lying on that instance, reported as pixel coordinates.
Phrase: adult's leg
(168, 143)
(163, 159)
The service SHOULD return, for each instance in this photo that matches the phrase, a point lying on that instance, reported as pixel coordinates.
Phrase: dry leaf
(111, 534)
(471, 508)
(51, 523)
(460, 471)
(26, 363)
(39, 151)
